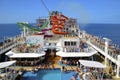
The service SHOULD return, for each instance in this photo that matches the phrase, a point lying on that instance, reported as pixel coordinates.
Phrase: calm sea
(8, 30)
(111, 31)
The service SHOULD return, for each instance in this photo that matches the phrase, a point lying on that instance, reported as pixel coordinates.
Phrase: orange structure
(58, 22)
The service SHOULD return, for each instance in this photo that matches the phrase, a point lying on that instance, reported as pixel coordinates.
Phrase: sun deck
(51, 49)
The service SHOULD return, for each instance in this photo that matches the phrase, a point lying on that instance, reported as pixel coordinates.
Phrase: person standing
(110, 72)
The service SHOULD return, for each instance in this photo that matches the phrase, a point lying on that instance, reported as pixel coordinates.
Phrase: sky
(86, 11)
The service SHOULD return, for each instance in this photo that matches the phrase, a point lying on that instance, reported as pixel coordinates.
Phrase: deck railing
(9, 45)
(101, 46)
(99, 43)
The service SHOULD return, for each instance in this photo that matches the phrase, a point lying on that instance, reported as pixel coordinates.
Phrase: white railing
(9, 45)
(103, 53)
(95, 42)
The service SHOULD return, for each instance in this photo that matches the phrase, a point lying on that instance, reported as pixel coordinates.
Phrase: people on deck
(80, 74)
(64, 69)
(110, 72)
(75, 74)
(72, 78)
(53, 66)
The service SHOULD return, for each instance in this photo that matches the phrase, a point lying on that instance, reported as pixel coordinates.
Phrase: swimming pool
(67, 75)
(48, 74)
(43, 74)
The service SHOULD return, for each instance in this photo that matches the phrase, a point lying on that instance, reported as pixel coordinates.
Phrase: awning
(24, 55)
(94, 64)
(73, 54)
(76, 54)
(6, 64)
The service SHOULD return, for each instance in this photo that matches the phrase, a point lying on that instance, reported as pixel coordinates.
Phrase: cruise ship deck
(58, 43)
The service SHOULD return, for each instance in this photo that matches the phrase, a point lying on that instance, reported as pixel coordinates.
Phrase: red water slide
(64, 16)
(58, 23)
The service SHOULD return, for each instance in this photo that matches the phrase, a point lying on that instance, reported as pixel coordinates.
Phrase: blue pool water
(30, 76)
(43, 74)
(48, 74)
(67, 75)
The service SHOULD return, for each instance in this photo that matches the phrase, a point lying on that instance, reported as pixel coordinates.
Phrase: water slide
(40, 31)
(64, 16)
(58, 31)
(21, 24)
(58, 23)
(45, 24)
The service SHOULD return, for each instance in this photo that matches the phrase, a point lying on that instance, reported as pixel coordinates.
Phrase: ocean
(110, 31)
(8, 30)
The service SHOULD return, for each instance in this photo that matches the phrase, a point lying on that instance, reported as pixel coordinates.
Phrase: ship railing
(10, 75)
(6, 48)
(77, 50)
(71, 49)
(102, 47)
(99, 42)
(28, 50)
(8, 45)
(113, 55)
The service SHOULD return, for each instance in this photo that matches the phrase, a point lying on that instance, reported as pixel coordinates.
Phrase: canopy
(9, 53)
(92, 64)
(6, 64)
(24, 55)
(76, 54)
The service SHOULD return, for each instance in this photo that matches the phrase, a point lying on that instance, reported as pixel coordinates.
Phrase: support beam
(24, 31)
(106, 49)
(117, 71)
